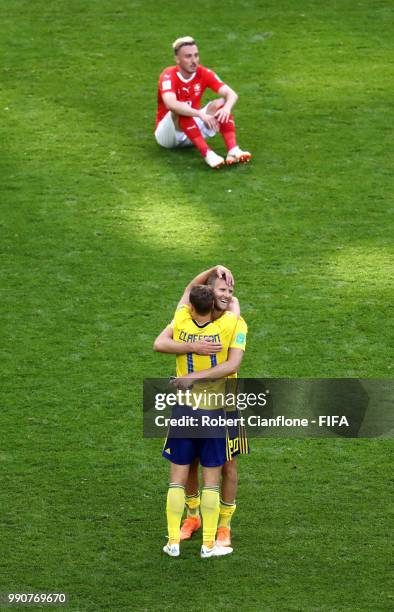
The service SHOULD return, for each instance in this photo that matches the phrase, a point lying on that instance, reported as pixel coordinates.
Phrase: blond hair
(180, 42)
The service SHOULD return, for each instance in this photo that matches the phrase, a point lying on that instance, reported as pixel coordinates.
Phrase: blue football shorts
(223, 443)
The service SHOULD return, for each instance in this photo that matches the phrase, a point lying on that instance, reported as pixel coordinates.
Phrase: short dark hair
(201, 297)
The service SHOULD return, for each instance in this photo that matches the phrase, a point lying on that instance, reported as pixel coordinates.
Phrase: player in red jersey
(181, 122)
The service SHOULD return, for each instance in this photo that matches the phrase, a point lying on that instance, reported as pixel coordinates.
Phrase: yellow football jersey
(239, 338)
(228, 330)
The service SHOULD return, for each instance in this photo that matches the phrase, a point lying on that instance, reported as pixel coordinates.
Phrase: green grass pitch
(101, 230)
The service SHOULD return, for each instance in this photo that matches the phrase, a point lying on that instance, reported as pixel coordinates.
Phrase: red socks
(227, 130)
(189, 126)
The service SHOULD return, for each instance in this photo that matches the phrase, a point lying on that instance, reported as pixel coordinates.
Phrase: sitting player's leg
(180, 131)
(227, 502)
(192, 521)
(227, 130)
(193, 130)
(198, 132)
(165, 133)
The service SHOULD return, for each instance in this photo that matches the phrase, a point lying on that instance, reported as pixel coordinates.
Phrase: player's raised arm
(202, 278)
(165, 343)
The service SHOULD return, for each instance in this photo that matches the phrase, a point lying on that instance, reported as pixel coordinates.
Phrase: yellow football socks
(210, 514)
(225, 514)
(175, 507)
(193, 504)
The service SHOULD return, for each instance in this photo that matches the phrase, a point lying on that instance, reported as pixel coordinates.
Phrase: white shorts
(169, 137)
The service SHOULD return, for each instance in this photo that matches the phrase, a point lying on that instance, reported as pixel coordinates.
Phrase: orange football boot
(223, 536)
(189, 526)
(237, 156)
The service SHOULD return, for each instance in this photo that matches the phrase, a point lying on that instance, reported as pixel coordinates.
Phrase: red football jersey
(186, 90)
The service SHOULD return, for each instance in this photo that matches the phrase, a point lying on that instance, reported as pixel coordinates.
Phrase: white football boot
(172, 550)
(216, 551)
(213, 160)
(237, 156)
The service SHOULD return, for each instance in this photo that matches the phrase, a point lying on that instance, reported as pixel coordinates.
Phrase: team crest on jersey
(197, 88)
